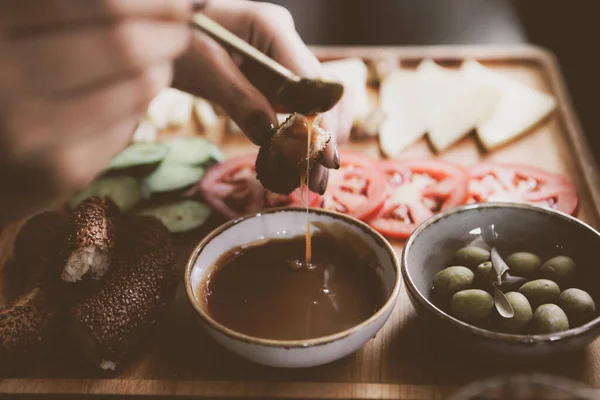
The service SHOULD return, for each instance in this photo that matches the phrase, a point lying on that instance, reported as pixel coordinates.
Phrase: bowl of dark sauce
(508, 228)
(259, 294)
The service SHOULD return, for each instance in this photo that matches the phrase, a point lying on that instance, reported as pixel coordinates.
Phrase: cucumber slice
(125, 191)
(172, 180)
(180, 216)
(192, 150)
(138, 159)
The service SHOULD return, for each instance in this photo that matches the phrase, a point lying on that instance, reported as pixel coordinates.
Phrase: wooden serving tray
(403, 361)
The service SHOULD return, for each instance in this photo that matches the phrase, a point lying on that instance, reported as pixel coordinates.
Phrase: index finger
(23, 14)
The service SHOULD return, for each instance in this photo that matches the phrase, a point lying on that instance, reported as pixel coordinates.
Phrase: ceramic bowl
(287, 223)
(433, 243)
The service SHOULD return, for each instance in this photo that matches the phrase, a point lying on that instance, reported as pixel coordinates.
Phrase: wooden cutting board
(403, 361)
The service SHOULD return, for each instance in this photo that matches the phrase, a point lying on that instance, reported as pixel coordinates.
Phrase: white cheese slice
(234, 128)
(353, 74)
(519, 108)
(145, 131)
(403, 123)
(452, 105)
(171, 107)
(205, 114)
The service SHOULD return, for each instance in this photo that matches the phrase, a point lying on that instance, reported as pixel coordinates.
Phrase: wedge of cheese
(145, 131)
(353, 74)
(205, 114)
(403, 124)
(519, 108)
(171, 107)
(452, 105)
(233, 128)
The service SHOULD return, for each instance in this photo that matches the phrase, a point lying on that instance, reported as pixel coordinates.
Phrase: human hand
(209, 71)
(75, 78)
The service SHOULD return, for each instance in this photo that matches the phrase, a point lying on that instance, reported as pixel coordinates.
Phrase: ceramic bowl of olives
(511, 279)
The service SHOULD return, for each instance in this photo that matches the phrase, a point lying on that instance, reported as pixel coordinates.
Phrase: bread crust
(92, 239)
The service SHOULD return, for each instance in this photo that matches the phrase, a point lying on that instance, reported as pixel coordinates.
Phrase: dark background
(570, 29)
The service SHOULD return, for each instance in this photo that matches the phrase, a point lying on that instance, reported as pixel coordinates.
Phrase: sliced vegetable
(298, 198)
(416, 190)
(192, 150)
(521, 184)
(357, 188)
(231, 188)
(180, 216)
(137, 159)
(125, 191)
(172, 179)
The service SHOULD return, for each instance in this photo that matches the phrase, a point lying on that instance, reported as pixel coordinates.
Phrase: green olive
(523, 264)
(484, 273)
(549, 318)
(578, 305)
(540, 291)
(451, 280)
(472, 305)
(560, 269)
(522, 316)
(471, 256)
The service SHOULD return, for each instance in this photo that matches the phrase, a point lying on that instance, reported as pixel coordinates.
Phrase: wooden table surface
(404, 361)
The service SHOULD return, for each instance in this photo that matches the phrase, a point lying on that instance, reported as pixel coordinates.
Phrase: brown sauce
(304, 182)
(308, 257)
(264, 290)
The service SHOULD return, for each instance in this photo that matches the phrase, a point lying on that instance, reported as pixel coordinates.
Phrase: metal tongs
(287, 91)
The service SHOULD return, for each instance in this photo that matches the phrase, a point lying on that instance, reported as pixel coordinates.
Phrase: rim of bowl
(509, 337)
(322, 340)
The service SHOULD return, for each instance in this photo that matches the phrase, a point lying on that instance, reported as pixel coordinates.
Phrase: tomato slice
(416, 190)
(231, 188)
(357, 188)
(521, 184)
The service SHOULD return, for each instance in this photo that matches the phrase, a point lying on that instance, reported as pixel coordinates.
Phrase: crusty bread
(24, 328)
(92, 239)
(112, 325)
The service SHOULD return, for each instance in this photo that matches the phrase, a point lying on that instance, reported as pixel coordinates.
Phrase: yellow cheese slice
(519, 108)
